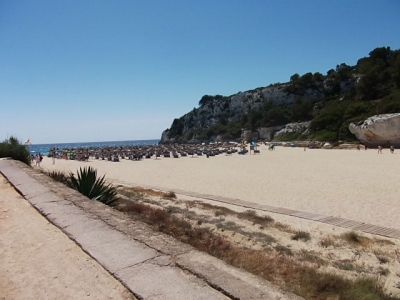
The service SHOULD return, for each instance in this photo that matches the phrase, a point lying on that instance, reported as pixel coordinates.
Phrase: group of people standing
(380, 148)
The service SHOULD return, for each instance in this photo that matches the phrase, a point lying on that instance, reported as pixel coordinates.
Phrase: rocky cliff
(379, 130)
(233, 108)
(345, 94)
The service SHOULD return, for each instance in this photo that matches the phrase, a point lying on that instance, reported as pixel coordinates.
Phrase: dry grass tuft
(344, 264)
(327, 242)
(283, 250)
(169, 195)
(383, 271)
(384, 242)
(283, 227)
(301, 235)
(252, 216)
(174, 209)
(139, 192)
(221, 209)
(356, 239)
(312, 257)
(218, 213)
(382, 258)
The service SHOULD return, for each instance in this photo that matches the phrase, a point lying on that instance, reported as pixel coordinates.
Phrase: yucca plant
(94, 188)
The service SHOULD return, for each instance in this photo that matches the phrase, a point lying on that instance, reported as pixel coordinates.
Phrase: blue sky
(94, 70)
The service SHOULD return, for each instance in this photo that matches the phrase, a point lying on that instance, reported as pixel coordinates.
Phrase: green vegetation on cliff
(331, 102)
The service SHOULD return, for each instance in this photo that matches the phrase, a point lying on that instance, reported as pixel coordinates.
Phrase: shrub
(344, 265)
(301, 235)
(93, 187)
(381, 258)
(290, 136)
(60, 177)
(326, 242)
(218, 213)
(252, 216)
(319, 285)
(134, 207)
(352, 237)
(355, 239)
(283, 250)
(169, 195)
(383, 271)
(12, 148)
(312, 257)
(326, 136)
(174, 209)
(390, 103)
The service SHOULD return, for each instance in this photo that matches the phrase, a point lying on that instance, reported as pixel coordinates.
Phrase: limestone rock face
(300, 127)
(247, 135)
(378, 130)
(164, 136)
(232, 108)
(268, 133)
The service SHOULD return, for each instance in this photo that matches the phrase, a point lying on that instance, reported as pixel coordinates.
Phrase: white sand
(357, 185)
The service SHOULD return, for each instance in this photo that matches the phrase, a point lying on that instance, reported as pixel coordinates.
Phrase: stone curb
(150, 264)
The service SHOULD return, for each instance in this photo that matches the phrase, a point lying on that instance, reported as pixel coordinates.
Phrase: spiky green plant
(93, 187)
(60, 176)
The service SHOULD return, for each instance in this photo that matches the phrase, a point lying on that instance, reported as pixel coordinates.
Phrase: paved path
(38, 261)
(149, 264)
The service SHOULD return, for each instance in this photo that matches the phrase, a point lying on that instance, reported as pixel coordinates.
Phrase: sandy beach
(357, 185)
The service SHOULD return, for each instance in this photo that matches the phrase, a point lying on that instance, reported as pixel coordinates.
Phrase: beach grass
(60, 176)
(301, 235)
(354, 238)
(279, 266)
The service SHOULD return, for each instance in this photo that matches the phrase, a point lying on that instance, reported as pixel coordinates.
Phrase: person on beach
(37, 160)
(53, 155)
(358, 147)
(380, 149)
(391, 149)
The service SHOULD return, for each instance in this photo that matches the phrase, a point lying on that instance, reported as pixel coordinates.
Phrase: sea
(44, 148)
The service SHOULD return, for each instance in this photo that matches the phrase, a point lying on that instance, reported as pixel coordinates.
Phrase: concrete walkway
(151, 265)
(28, 240)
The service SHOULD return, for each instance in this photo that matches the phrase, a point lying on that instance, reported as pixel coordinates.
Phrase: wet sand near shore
(357, 185)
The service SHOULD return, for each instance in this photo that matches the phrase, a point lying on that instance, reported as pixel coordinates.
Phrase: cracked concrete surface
(150, 264)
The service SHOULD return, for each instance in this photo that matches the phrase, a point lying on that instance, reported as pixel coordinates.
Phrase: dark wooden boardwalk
(340, 222)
